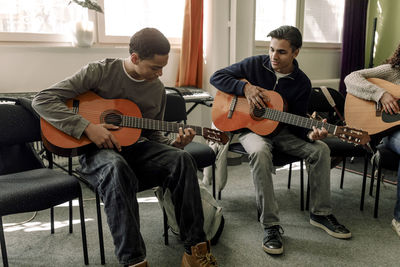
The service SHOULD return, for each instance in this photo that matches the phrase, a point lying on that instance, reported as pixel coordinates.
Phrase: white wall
(31, 69)
(322, 65)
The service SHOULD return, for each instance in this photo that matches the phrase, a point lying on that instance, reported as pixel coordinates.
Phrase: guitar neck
(297, 120)
(150, 124)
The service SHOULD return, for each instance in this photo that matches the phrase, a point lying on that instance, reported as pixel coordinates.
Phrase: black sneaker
(272, 242)
(330, 225)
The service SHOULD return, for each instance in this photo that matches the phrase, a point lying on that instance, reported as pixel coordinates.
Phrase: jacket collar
(268, 66)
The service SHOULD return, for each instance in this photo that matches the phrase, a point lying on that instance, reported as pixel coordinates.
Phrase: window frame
(300, 6)
(43, 38)
(102, 38)
(27, 37)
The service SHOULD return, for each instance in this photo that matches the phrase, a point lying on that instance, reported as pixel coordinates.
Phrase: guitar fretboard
(150, 124)
(297, 120)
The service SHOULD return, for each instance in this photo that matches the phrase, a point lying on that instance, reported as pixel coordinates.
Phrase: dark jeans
(118, 176)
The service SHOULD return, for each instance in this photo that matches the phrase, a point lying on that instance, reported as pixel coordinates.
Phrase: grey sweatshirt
(357, 84)
(109, 79)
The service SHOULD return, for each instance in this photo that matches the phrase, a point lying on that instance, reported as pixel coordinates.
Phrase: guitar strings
(132, 120)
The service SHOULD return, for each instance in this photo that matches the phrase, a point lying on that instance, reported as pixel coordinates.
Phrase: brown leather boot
(201, 256)
(140, 264)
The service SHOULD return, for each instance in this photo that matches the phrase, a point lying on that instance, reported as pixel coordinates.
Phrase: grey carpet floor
(374, 243)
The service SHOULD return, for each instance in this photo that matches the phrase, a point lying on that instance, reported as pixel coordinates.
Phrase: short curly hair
(149, 42)
(394, 60)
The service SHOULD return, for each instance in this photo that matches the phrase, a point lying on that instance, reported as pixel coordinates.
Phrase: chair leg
(371, 185)
(52, 220)
(165, 223)
(308, 196)
(3, 244)
(343, 168)
(378, 187)
(289, 176)
(70, 217)
(70, 202)
(100, 229)
(213, 180)
(364, 182)
(83, 230)
(301, 185)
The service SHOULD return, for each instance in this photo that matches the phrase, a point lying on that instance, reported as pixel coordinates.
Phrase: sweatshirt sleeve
(358, 85)
(50, 103)
(228, 79)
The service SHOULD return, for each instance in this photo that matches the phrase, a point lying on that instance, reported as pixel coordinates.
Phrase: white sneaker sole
(331, 233)
(395, 229)
(274, 251)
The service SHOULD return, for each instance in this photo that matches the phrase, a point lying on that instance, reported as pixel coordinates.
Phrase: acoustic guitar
(120, 112)
(369, 116)
(230, 113)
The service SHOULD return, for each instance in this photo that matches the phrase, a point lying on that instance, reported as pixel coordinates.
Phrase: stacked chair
(26, 185)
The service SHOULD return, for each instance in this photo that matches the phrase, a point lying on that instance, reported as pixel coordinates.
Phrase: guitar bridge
(232, 106)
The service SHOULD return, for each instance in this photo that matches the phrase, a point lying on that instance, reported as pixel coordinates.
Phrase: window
(320, 21)
(323, 21)
(121, 18)
(53, 20)
(37, 20)
(270, 14)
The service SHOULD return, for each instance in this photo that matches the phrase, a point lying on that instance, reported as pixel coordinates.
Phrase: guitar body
(241, 117)
(362, 114)
(93, 108)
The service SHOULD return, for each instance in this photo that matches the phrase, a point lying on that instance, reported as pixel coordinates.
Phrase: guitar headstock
(352, 135)
(215, 135)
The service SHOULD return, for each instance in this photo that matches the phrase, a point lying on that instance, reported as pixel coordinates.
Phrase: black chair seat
(237, 148)
(340, 148)
(386, 158)
(35, 190)
(203, 154)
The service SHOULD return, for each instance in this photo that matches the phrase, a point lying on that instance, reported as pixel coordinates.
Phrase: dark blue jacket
(295, 88)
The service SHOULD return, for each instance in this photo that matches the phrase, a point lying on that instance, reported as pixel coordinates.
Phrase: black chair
(383, 159)
(175, 111)
(74, 172)
(26, 185)
(339, 149)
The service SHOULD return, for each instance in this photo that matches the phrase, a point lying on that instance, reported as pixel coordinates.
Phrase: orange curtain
(190, 72)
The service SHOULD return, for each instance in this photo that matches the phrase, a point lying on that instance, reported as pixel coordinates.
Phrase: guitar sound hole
(113, 118)
(258, 112)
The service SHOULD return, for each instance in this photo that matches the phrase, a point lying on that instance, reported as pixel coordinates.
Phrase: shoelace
(207, 260)
(332, 220)
(273, 231)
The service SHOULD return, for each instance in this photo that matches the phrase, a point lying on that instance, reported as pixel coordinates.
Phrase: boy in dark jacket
(279, 71)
